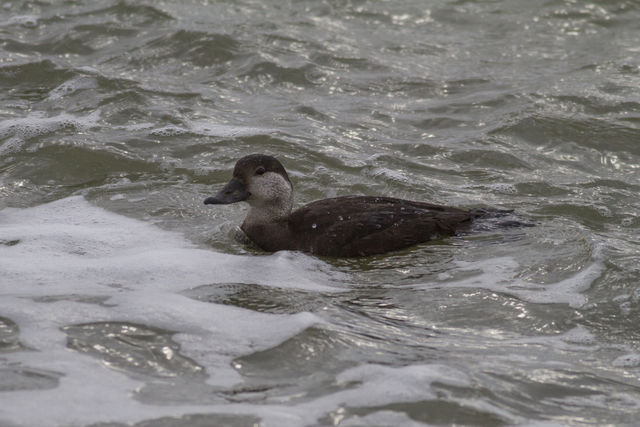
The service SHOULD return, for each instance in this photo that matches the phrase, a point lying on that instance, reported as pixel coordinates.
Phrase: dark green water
(133, 303)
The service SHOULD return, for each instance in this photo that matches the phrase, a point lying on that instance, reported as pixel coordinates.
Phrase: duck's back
(361, 225)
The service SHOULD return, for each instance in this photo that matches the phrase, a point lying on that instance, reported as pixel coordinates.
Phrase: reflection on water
(135, 349)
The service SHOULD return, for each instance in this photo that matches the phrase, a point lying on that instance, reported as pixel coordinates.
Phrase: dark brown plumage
(358, 225)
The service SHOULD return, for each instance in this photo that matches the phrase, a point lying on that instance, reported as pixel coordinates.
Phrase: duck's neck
(267, 226)
(269, 213)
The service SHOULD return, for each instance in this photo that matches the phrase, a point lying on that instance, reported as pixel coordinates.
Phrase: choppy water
(125, 301)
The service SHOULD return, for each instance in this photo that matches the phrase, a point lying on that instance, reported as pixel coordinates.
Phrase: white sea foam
(15, 132)
(72, 85)
(70, 247)
(577, 338)
(373, 385)
(394, 175)
(209, 129)
(500, 274)
(380, 385)
(378, 418)
(82, 248)
(631, 360)
(30, 21)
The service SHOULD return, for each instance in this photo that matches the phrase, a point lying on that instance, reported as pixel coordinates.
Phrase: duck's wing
(359, 225)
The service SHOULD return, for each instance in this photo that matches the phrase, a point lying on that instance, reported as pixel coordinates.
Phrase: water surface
(125, 301)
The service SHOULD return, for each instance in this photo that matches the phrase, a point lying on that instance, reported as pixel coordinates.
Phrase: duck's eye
(260, 170)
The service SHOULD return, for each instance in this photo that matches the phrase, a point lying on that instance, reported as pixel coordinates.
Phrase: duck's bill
(234, 191)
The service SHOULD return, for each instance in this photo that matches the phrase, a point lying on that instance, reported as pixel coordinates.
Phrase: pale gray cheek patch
(268, 187)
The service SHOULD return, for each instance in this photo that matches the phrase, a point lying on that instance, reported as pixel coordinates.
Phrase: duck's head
(261, 181)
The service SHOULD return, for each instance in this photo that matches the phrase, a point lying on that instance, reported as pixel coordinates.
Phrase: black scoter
(347, 226)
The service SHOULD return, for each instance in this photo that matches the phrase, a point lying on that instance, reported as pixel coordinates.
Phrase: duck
(343, 227)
